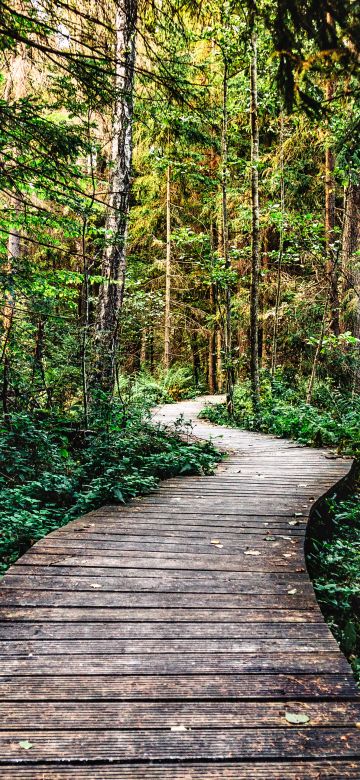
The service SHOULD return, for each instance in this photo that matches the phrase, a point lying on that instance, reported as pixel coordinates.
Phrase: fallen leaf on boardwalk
(215, 541)
(299, 570)
(179, 728)
(252, 552)
(95, 585)
(302, 484)
(298, 514)
(292, 592)
(296, 718)
(269, 538)
(288, 555)
(25, 744)
(294, 522)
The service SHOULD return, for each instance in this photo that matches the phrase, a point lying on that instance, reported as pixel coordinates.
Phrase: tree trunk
(167, 331)
(15, 88)
(350, 258)
(114, 259)
(219, 374)
(212, 346)
(330, 237)
(255, 232)
(225, 251)
(281, 251)
(351, 269)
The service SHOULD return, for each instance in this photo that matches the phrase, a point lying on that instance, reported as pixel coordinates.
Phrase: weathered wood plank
(160, 745)
(164, 715)
(176, 663)
(314, 770)
(15, 632)
(134, 645)
(48, 616)
(201, 687)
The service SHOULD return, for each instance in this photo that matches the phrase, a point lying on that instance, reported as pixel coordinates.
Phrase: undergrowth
(334, 564)
(51, 471)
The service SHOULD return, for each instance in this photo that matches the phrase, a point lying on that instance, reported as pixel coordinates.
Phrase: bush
(334, 563)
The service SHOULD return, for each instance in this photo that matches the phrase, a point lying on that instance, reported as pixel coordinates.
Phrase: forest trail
(179, 637)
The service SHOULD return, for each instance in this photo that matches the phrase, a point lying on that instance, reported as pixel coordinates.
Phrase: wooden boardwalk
(178, 638)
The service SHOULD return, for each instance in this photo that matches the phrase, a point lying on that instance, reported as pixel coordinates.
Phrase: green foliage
(334, 563)
(333, 419)
(176, 384)
(52, 472)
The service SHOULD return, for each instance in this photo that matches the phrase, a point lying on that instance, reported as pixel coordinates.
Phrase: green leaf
(297, 718)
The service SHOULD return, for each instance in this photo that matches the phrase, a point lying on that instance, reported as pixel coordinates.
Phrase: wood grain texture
(170, 638)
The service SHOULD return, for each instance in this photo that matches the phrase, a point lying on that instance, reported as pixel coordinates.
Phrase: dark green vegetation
(51, 471)
(334, 564)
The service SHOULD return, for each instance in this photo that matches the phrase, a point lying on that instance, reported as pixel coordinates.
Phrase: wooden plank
(151, 599)
(12, 631)
(162, 715)
(134, 645)
(201, 687)
(177, 663)
(160, 745)
(47, 616)
(296, 770)
(162, 583)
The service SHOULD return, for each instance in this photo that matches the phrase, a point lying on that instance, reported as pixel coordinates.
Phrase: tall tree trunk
(144, 338)
(167, 331)
(114, 258)
(351, 268)
(350, 256)
(281, 251)
(212, 345)
(255, 231)
(225, 249)
(330, 237)
(219, 372)
(15, 88)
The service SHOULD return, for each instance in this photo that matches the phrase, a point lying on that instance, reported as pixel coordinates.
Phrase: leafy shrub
(52, 472)
(334, 563)
(173, 385)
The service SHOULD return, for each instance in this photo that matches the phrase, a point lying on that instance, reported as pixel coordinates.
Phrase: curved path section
(178, 637)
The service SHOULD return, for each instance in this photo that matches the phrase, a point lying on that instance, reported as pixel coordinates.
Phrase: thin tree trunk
(225, 250)
(219, 372)
(281, 251)
(114, 259)
(351, 268)
(15, 88)
(318, 350)
(144, 337)
(167, 331)
(255, 232)
(350, 258)
(212, 347)
(330, 237)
